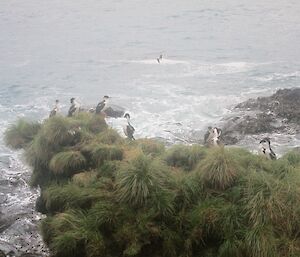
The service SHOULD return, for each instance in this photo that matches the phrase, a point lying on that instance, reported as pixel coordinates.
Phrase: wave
(164, 61)
(279, 76)
(156, 117)
(191, 68)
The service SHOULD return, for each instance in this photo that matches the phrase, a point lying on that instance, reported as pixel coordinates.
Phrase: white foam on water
(175, 113)
(164, 61)
(278, 76)
(192, 68)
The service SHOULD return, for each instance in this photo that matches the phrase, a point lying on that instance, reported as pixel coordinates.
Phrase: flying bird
(159, 59)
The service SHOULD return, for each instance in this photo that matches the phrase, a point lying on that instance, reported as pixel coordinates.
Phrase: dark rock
(285, 103)
(114, 113)
(279, 113)
(40, 205)
(3, 198)
(29, 255)
(5, 223)
(2, 254)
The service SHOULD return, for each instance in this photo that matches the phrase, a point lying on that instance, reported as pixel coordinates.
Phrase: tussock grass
(19, 135)
(293, 158)
(58, 198)
(84, 179)
(109, 169)
(219, 169)
(109, 137)
(93, 123)
(70, 234)
(102, 153)
(185, 157)
(261, 199)
(150, 146)
(131, 153)
(260, 241)
(249, 161)
(188, 190)
(39, 152)
(59, 131)
(140, 180)
(206, 219)
(67, 163)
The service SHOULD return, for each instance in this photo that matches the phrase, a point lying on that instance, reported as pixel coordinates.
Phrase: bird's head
(127, 116)
(265, 143)
(265, 140)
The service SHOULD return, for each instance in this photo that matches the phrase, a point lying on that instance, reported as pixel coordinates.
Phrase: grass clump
(219, 169)
(102, 153)
(109, 137)
(67, 163)
(84, 179)
(140, 180)
(152, 147)
(185, 157)
(93, 123)
(293, 158)
(70, 236)
(58, 198)
(19, 135)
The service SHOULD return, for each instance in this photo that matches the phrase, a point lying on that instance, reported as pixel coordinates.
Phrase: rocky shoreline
(278, 113)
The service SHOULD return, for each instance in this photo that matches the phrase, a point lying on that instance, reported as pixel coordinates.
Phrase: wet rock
(7, 249)
(285, 103)
(279, 113)
(114, 112)
(3, 198)
(29, 255)
(40, 205)
(5, 223)
(5, 161)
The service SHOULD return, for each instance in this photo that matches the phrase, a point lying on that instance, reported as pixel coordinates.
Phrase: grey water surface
(216, 53)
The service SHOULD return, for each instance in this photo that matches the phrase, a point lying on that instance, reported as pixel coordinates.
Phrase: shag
(74, 108)
(213, 138)
(55, 110)
(159, 59)
(100, 108)
(266, 150)
(206, 135)
(128, 128)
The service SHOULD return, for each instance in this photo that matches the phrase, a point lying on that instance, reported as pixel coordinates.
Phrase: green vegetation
(20, 134)
(105, 196)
